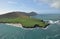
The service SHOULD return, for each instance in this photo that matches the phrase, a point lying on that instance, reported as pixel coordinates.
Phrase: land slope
(23, 18)
(17, 14)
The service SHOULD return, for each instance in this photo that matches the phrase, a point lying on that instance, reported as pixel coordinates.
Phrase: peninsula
(23, 18)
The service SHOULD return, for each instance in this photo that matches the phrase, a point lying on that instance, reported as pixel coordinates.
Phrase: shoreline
(18, 25)
(14, 24)
(21, 26)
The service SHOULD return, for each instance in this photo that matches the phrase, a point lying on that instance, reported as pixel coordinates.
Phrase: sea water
(52, 32)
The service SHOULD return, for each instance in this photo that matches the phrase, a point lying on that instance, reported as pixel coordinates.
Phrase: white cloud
(5, 11)
(55, 5)
(51, 3)
(12, 2)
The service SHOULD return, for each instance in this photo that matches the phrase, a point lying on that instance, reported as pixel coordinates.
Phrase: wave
(46, 28)
(16, 25)
(53, 22)
(19, 25)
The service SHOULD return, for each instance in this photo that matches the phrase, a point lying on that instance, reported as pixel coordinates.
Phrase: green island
(23, 18)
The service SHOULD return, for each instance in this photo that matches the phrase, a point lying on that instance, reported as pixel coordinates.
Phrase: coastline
(14, 24)
(21, 26)
(18, 25)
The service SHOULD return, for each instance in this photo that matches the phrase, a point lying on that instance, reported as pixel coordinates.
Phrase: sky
(39, 6)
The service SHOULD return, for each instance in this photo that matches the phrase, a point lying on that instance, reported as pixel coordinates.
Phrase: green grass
(26, 22)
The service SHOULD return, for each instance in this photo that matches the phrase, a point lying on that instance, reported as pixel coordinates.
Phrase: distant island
(23, 18)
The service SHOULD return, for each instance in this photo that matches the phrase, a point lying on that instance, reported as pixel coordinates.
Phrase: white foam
(19, 25)
(16, 24)
(46, 28)
(51, 22)
(54, 22)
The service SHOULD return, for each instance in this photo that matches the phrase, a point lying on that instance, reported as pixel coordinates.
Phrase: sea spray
(53, 22)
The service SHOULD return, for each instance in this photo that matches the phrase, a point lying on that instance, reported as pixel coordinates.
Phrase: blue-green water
(48, 16)
(52, 32)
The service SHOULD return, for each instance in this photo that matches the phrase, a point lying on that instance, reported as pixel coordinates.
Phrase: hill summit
(17, 14)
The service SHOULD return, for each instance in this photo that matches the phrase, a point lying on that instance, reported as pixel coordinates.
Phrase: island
(23, 18)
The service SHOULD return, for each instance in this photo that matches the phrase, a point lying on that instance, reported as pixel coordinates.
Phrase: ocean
(51, 32)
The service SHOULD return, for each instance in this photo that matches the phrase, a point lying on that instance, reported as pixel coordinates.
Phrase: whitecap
(46, 28)
(16, 25)
(56, 35)
(54, 22)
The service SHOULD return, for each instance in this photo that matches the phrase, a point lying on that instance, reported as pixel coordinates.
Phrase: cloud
(51, 3)
(12, 2)
(55, 5)
(5, 11)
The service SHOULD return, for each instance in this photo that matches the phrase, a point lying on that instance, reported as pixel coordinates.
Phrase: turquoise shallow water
(10, 32)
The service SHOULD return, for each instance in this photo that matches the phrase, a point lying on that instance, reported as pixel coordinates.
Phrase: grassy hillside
(23, 18)
(26, 22)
